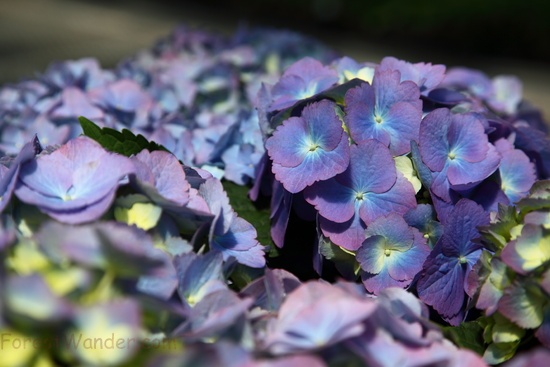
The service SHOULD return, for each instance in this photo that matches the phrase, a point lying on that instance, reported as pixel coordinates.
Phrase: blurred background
(495, 36)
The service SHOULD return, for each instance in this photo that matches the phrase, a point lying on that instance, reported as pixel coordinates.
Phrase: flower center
(378, 119)
(313, 147)
(359, 196)
(66, 197)
(451, 155)
(387, 252)
(462, 259)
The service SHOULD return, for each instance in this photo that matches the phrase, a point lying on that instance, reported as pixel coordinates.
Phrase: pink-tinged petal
(75, 103)
(360, 114)
(324, 125)
(389, 89)
(543, 332)
(161, 172)
(523, 304)
(371, 168)
(303, 79)
(85, 175)
(125, 95)
(425, 75)
(492, 290)
(317, 315)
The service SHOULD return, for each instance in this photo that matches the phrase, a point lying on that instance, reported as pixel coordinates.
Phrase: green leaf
(257, 214)
(499, 352)
(344, 261)
(498, 234)
(467, 335)
(243, 275)
(123, 142)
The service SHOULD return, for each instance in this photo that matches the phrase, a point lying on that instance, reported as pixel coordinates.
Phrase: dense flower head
(403, 178)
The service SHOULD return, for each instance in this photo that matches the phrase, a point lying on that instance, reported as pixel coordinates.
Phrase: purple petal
(517, 174)
(434, 147)
(162, 171)
(442, 286)
(467, 139)
(349, 235)
(462, 172)
(315, 167)
(75, 103)
(86, 175)
(285, 146)
(400, 198)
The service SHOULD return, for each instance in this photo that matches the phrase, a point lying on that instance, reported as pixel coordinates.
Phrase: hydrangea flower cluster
(399, 165)
(145, 253)
(421, 193)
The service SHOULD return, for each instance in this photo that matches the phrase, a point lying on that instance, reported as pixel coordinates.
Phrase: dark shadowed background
(496, 36)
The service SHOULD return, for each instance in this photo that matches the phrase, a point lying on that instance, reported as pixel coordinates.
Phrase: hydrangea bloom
(392, 253)
(230, 234)
(317, 315)
(301, 80)
(370, 187)
(84, 185)
(425, 75)
(388, 110)
(456, 149)
(309, 148)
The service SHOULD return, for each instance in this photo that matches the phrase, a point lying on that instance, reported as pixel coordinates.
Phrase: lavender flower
(84, 185)
(392, 254)
(456, 149)
(388, 111)
(309, 148)
(301, 80)
(317, 315)
(370, 187)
